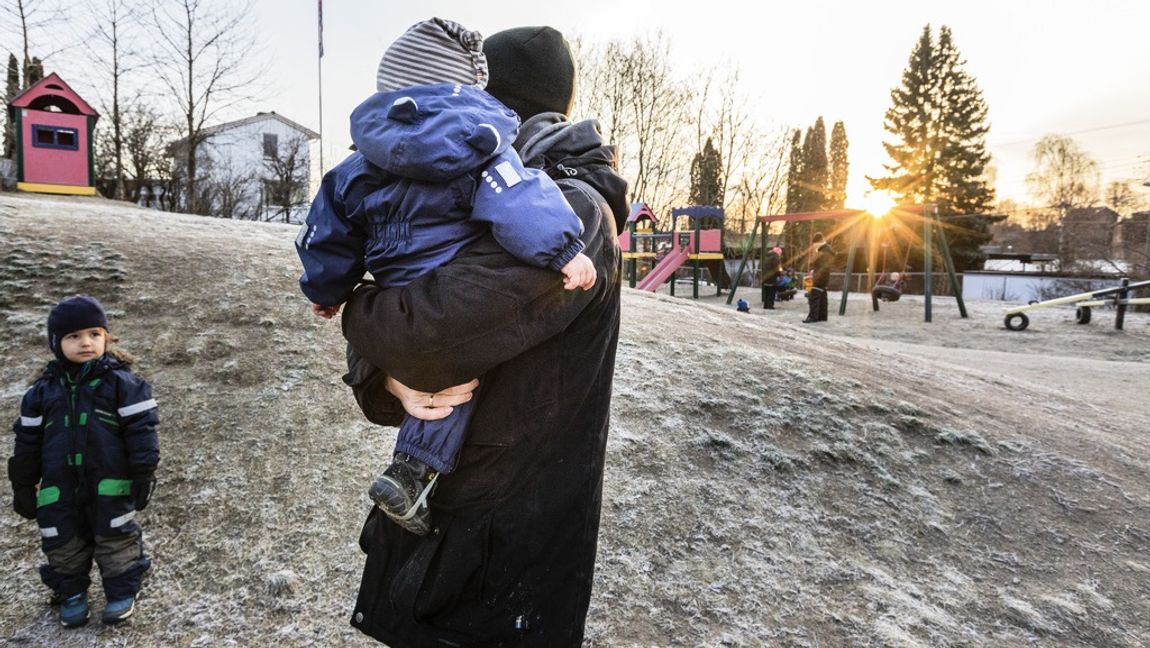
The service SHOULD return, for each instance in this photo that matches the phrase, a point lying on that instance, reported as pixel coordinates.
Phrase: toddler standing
(84, 463)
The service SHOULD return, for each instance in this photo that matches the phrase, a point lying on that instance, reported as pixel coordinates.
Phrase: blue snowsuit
(89, 429)
(433, 172)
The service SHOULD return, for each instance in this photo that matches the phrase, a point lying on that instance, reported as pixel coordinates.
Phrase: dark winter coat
(511, 559)
(824, 259)
(772, 269)
(84, 437)
(433, 172)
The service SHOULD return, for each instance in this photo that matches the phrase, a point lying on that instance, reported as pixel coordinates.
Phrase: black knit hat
(73, 314)
(532, 70)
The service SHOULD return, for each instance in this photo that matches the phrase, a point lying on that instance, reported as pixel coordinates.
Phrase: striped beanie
(433, 51)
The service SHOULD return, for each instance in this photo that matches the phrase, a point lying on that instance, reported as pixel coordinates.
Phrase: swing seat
(886, 293)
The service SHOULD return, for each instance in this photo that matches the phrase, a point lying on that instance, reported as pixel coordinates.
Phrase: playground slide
(663, 270)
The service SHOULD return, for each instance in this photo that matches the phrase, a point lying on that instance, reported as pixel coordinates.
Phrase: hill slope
(767, 484)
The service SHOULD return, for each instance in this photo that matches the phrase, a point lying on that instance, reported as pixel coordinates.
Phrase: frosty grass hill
(768, 484)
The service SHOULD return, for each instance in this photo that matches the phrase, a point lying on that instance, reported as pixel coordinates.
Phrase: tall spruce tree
(34, 72)
(939, 122)
(815, 169)
(837, 189)
(795, 198)
(11, 89)
(706, 177)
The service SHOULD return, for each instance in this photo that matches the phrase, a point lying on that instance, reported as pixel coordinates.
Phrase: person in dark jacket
(511, 558)
(433, 171)
(772, 271)
(824, 259)
(84, 463)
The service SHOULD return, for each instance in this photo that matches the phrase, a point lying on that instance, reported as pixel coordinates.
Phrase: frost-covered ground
(871, 481)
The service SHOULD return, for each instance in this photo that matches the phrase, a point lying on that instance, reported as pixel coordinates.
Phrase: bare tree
(760, 176)
(203, 61)
(228, 192)
(37, 25)
(1064, 178)
(144, 133)
(1123, 196)
(285, 188)
(647, 113)
(114, 30)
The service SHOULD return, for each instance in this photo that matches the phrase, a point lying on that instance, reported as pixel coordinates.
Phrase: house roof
(1091, 215)
(52, 91)
(260, 116)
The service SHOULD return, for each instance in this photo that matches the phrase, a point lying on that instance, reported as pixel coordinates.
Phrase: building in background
(256, 168)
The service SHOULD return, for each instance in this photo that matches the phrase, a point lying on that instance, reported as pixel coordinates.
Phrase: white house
(255, 168)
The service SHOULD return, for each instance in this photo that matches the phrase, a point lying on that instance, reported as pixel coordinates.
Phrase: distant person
(772, 272)
(86, 437)
(511, 559)
(821, 273)
(434, 171)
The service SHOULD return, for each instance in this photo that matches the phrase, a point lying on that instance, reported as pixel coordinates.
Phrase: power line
(1094, 129)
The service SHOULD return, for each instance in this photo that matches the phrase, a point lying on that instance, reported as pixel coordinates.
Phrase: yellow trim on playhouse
(70, 190)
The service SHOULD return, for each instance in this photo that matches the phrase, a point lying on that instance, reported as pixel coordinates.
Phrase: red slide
(664, 269)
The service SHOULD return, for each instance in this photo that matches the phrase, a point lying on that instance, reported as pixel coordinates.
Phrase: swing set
(889, 287)
(857, 223)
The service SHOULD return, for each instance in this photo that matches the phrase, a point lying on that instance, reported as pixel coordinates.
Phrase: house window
(271, 145)
(55, 137)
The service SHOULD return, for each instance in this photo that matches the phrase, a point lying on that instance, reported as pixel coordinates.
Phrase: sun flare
(878, 203)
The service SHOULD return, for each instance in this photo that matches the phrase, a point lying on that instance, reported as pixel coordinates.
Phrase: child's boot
(117, 611)
(402, 491)
(74, 610)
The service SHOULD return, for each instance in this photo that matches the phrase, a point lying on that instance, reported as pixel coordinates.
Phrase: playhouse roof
(52, 91)
(640, 211)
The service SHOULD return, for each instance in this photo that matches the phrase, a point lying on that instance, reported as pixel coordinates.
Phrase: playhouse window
(54, 137)
(271, 145)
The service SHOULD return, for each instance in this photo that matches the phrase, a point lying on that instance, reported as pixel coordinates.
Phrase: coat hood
(575, 150)
(432, 133)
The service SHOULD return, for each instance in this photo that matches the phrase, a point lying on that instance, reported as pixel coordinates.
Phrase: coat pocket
(442, 580)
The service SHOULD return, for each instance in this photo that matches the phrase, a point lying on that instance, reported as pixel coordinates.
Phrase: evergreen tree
(837, 190)
(706, 174)
(795, 175)
(939, 122)
(10, 91)
(795, 196)
(34, 74)
(815, 170)
(965, 125)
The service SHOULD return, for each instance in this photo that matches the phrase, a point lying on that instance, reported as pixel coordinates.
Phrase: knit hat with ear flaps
(73, 314)
(532, 70)
(433, 51)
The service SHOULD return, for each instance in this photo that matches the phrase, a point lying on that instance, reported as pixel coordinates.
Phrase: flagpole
(320, 93)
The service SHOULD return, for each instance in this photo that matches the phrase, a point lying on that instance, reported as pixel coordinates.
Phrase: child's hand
(326, 312)
(24, 501)
(579, 273)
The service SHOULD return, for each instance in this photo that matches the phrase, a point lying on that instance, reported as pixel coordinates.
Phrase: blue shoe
(74, 610)
(117, 611)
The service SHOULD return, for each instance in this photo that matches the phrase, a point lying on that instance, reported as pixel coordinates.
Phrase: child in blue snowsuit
(86, 437)
(433, 172)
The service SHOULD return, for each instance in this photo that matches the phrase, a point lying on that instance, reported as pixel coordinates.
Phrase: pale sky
(1068, 67)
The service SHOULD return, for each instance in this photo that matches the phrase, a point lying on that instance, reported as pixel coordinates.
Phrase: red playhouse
(53, 139)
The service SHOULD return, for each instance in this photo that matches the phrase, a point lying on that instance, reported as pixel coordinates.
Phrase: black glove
(143, 485)
(24, 473)
(24, 501)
